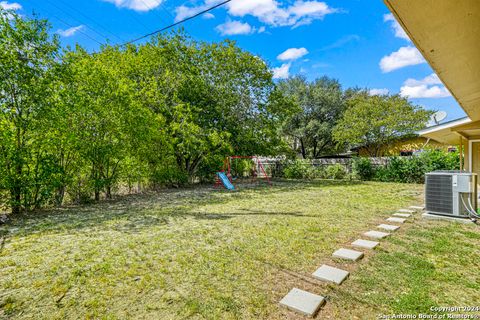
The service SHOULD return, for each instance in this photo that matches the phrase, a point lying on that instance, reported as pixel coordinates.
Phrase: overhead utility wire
(165, 9)
(176, 23)
(151, 9)
(91, 20)
(133, 15)
(71, 26)
(62, 10)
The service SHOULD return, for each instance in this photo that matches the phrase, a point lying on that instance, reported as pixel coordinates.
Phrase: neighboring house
(465, 133)
(449, 41)
(405, 146)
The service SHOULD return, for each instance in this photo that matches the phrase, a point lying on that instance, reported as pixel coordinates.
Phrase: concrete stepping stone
(303, 302)
(367, 244)
(376, 234)
(388, 227)
(396, 220)
(403, 215)
(406, 210)
(348, 254)
(331, 274)
(417, 208)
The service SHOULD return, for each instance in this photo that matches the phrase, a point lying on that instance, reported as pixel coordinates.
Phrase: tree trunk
(193, 168)
(59, 196)
(302, 146)
(97, 195)
(16, 193)
(108, 193)
(16, 199)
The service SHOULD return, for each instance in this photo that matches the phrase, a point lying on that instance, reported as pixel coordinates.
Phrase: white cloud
(230, 28)
(397, 28)
(405, 56)
(70, 32)
(282, 72)
(208, 15)
(378, 92)
(305, 12)
(13, 6)
(428, 80)
(292, 54)
(428, 87)
(424, 91)
(137, 5)
(341, 42)
(182, 12)
(266, 11)
(252, 7)
(5, 5)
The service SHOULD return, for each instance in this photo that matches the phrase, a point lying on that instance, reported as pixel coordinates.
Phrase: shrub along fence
(410, 169)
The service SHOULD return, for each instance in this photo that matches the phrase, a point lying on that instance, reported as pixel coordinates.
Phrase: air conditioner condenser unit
(451, 193)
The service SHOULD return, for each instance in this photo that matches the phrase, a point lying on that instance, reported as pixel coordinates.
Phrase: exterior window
(406, 153)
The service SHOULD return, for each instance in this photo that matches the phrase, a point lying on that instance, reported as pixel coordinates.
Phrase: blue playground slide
(226, 182)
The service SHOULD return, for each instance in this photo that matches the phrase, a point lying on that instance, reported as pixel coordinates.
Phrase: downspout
(460, 152)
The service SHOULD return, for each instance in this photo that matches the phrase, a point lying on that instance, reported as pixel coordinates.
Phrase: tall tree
(214, 99)
(108, 122)
(374, 121)
(27, 54)
(320, 105)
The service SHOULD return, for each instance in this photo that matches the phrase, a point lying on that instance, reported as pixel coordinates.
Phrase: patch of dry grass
(206, 254)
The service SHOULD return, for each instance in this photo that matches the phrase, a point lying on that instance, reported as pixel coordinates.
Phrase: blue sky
(356, 41)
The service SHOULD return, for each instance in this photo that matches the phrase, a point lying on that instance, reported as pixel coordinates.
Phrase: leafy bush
(413, 169)
(298, 169)
(242, 167)
(207, 168)
(438, 160)
(406, 170)
(79, 190)
(363, 168)
(169, 176)
(320, 173)
(336, 171)
(301, 169)
(381, 174)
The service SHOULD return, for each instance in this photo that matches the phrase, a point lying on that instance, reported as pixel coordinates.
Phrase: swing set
(224, 176)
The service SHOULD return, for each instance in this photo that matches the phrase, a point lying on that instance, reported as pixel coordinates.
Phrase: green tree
(320, 105)
(374, 121)
(27, 54)
(108, 121)
(214, 99)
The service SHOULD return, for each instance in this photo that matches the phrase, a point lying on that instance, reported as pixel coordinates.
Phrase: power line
(151, 9)
(91, 20)
(62, 10)
(176, 23)
(71, 26)
(139, 21)
(165, 9)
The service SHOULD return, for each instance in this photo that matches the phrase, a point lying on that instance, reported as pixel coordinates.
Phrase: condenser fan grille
(439, 193)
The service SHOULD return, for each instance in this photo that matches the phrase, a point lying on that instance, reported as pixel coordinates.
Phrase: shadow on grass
(132, 213)
(229, 215)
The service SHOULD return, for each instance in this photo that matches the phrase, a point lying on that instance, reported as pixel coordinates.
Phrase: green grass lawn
(209, 254)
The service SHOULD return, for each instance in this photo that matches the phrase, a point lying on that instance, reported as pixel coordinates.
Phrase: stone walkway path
(309, 304)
